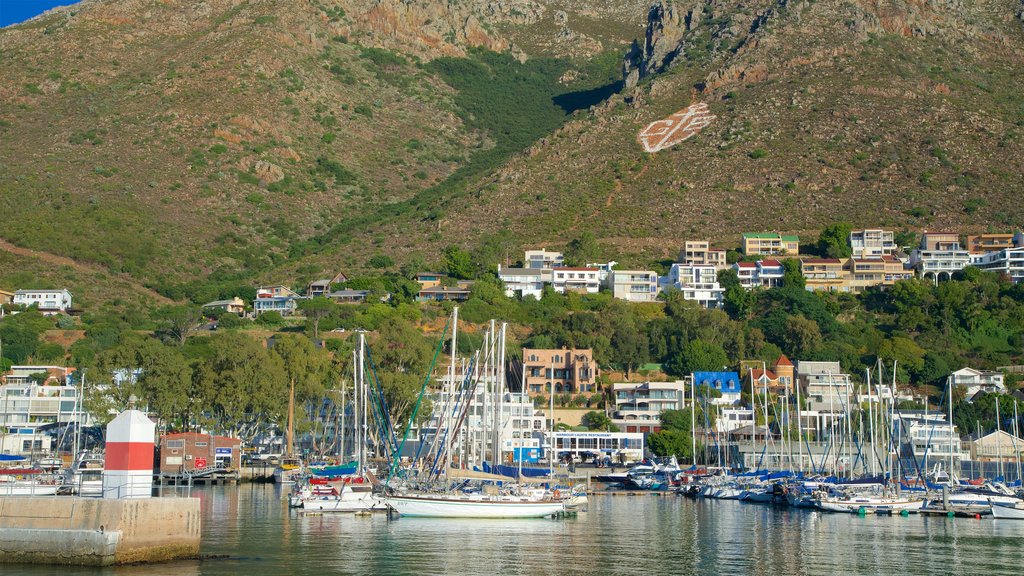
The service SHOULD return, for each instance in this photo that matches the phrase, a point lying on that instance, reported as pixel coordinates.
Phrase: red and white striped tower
(128, 466)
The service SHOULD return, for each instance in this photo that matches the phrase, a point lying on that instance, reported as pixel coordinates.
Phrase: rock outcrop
(667, 24)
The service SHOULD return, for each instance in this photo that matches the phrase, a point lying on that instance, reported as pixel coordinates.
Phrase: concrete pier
(97, 531)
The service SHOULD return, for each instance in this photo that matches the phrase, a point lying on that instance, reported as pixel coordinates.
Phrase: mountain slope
(885, 114)
(196, 146)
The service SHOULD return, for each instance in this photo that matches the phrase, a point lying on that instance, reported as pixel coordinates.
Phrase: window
(176, 443)
(201, 444)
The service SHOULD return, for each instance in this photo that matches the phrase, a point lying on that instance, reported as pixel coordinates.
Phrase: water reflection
(254, 528)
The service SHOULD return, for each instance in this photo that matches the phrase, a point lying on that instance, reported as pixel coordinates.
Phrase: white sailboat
(473, 506)
(522, 504)
(1008, 512)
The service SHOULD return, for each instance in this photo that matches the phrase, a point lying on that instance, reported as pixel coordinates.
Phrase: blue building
(728, 383)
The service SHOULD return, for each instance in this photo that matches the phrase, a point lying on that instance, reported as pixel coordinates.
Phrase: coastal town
(40, 405)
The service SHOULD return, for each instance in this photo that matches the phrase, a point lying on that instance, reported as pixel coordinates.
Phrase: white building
(634, 285)
(939, 256)
(518, 430)
(524, 282)
(763, 273)
(619, 446)
(932, 438)
(1008, 261)
(34, 396)
(542, 259)
(585, 280)
(49, 302)
(734, 418)
(872, 243)
(976, 381)
(638, 406)
(698, 283)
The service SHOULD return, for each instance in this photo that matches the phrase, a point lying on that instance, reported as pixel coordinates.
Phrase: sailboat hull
(422, 506)
(1007, 513)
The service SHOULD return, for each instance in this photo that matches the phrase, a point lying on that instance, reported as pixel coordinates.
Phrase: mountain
(190, 147)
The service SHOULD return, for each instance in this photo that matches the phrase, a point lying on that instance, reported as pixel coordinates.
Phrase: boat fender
(557, 494)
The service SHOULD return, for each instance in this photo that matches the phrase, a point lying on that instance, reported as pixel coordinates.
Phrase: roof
(562, 269)
(215, 303)
(176, 435)
(821, 261)
(746, 265)
(757, 373)
(521, 272)
(726, 382)
(770, 236)
(444, 289)
(771, 262)
(16, 292)
(783, 361)
(344, 293)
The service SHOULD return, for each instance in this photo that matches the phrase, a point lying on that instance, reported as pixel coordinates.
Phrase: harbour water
(249, 530)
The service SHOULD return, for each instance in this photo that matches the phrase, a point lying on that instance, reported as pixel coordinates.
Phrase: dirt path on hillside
(79, 266)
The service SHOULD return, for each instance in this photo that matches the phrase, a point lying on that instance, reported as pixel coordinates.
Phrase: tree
(834, 241)
(581, 250)
(457, 263)
(697, 356)
(402, 357)
(380, 261)
(239, 382)
(802, 336)
(670, 443)
(305, 368)
(792, 277)
(315, 310)
(598, 420)
(178, 322)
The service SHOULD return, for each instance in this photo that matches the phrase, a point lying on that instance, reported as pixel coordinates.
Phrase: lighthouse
(128, 469)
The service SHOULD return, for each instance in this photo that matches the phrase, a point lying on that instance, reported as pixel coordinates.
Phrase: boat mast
(451, 382)
(949, 389)
(693, 418)
(1016, 434)
(551, 425)
(999, 438)
(500, 392)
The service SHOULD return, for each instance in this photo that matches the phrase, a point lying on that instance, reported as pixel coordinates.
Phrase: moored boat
(473, 506)
(1007, 512)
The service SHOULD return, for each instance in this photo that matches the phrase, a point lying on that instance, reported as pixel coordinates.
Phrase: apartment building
(638, 406)
(1008, 261)
(760, 274)
(770, 244)
(32, 397)
(824, 274)
(985, 243)
(634, 285)
(939, 256)
(976, 381)
(585, 280)
(824, 385)
(885, 270)
(700, 253)
(698, 283)
(566, 371)
(872, 243)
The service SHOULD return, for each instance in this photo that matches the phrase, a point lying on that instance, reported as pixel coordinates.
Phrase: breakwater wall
(97, 531)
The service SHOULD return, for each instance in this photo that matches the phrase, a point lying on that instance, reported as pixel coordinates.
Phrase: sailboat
(18, 479)
(466, 503)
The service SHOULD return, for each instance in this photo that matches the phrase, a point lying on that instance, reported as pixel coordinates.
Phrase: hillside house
(49, 302)
(235, 306)
(322, 287)
(770, 244)
(566, 371)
